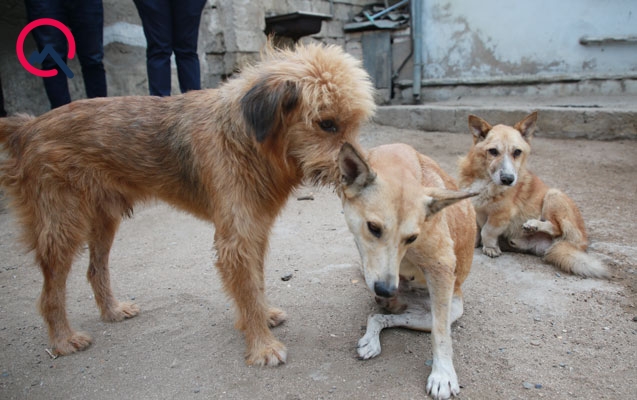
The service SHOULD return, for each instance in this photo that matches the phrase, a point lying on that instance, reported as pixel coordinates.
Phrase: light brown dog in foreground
(515, 209)
(230, 156)
(416, 245)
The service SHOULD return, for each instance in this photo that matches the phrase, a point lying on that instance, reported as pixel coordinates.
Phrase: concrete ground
(529, 331)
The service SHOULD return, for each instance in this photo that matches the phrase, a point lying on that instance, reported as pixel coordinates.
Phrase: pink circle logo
(46, 51)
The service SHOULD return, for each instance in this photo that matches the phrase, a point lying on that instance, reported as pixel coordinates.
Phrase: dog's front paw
(271, 355)
(491, 251)
(442, 384)
(276, 317)
(368, 346)
(531, 226)
(77, 341)
(120, 312)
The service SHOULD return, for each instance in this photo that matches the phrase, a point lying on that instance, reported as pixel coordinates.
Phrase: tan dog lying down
(515, 209)
(415, 241)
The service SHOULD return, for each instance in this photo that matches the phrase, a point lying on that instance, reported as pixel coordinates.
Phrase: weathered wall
(491, 39)
(525, 48)
(231, 34)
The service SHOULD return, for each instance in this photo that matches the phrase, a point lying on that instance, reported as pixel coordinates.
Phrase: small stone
(429, 363)
(635, 318)
(538, 386)
(527, 385)
(286, 277)
(535, 343)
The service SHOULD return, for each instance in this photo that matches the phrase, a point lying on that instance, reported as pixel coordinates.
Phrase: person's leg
(86, 19)
(57, 88)
(156, 21)
(186, 18)
(3, 112)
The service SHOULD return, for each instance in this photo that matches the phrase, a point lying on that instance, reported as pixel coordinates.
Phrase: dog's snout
(383, 289)
(507, 179)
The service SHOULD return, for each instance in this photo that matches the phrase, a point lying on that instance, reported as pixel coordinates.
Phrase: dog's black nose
(507, 179)
(384, 290)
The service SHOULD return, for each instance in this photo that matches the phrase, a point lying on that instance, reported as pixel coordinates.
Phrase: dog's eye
(517, 153)
(411, 239)
(375, 229)
(328, 125)
(494, 152)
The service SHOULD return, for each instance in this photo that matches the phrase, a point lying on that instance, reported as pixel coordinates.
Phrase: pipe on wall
(417, 46)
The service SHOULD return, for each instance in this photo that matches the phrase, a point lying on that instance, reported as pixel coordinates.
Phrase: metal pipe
(417, 40)
(600, 40)
(514, 80)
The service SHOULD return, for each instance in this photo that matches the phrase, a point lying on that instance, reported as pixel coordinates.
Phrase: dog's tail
(568, 257)
(9, 125)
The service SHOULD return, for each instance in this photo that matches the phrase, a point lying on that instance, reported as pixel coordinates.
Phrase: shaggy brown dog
(230, 156)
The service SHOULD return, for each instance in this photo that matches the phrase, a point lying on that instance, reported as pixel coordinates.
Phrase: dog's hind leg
(538, 226)
(100, 242)
(54, 253)
(240, 263)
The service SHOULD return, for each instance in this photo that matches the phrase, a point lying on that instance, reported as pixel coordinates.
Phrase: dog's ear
(437, 199)
(479, 128)
(355, 172)
(265, 105)
(527, 126)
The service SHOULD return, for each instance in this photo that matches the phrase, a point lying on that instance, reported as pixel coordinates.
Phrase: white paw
(491, 251)
(368, 346)
(442, 383)
(531, 226)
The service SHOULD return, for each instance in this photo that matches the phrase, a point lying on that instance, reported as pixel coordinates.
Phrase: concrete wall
(489, 46)
(491, 38)
(231, 34)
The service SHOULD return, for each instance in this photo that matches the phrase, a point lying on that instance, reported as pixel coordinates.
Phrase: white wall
(495, 39)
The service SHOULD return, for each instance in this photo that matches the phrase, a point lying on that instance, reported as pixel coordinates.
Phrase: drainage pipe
(417, 46)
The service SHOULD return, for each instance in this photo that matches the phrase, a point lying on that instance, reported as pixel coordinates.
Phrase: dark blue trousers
(3, 112)
(171, 26)
(85, 18)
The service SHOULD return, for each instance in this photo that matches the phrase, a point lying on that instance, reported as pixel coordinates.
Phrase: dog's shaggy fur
(230, 156)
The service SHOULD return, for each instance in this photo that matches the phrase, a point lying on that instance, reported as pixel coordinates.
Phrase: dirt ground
(528, 330)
